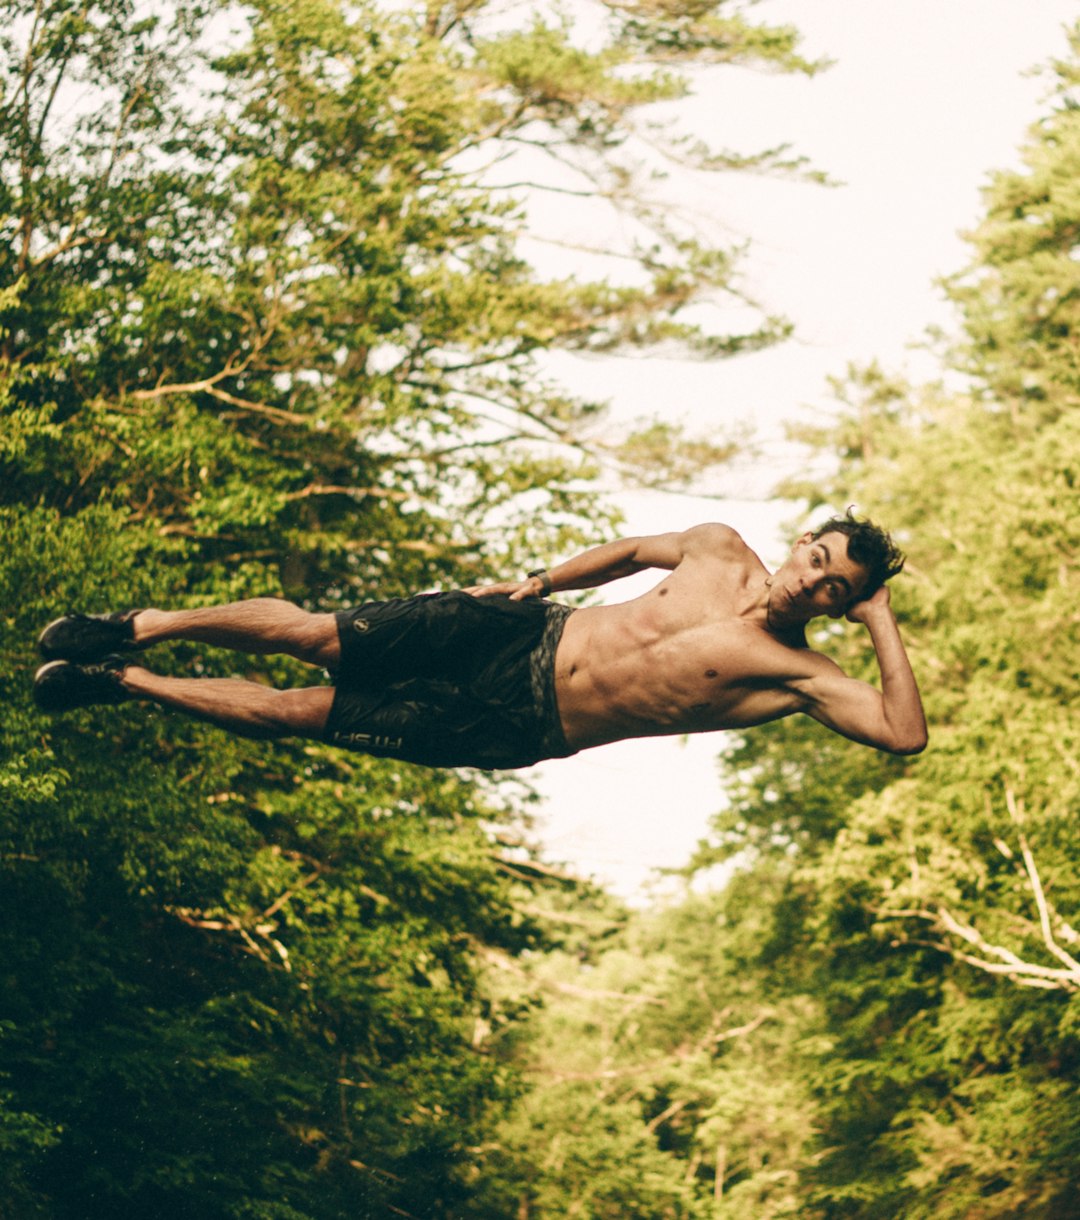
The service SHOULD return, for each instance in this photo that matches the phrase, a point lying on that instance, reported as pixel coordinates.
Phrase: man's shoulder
(806, 665)
(713, 538)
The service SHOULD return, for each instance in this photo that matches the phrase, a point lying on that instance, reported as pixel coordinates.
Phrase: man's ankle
(143, 624)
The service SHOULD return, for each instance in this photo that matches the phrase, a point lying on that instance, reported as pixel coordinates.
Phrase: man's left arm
(890, 719)
(613, 560)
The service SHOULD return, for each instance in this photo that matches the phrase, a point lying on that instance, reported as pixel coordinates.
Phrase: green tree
(668, 1067)
(937, 898)
(265, 328)
(230, 286)
(1019, 298)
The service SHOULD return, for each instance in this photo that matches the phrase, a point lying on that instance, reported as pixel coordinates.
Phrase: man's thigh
(450, 637)
(440, 725)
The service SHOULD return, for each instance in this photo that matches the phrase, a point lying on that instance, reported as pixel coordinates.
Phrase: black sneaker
(61, 686)
(87, 637)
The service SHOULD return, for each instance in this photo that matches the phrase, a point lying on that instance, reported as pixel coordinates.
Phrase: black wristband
(545, 580)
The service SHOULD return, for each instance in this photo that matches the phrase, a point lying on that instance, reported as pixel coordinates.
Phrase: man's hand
(862, 612)
(517, 590)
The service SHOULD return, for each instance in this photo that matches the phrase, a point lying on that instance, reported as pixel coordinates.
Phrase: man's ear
(802, 540)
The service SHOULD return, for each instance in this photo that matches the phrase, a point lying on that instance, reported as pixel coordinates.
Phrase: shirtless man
(497, 676)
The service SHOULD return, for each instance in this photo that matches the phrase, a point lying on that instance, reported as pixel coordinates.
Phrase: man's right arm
(890, 719)
(614, 560)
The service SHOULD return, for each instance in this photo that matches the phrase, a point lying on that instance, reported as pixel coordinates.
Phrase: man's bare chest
(724, 673)
(688, 672)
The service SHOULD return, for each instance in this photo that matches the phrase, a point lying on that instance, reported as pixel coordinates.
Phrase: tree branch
(208, 385)
(1016, 812)
(999, 959)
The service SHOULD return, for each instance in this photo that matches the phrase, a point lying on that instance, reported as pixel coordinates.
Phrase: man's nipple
(710, 673)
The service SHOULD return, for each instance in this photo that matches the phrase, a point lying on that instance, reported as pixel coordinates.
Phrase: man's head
(869, 546)
(830, 569)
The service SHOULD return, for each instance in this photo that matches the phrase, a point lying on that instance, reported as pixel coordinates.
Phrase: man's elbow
(913, 743)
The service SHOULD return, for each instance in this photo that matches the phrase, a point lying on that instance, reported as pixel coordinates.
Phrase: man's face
(818, 578)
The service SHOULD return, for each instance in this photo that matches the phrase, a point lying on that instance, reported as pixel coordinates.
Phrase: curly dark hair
(869, 546)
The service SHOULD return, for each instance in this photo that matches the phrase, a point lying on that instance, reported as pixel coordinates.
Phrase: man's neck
(792, 634)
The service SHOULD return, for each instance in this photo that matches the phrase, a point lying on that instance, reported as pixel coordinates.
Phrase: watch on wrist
(544, 578)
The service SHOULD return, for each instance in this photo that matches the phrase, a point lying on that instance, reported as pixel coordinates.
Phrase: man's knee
(300, 713)
(309, 636)
(320, 643)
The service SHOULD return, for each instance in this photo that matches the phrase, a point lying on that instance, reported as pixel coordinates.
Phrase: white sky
(925, 99)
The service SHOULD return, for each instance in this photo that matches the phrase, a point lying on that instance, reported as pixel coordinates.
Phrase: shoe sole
(41, 685)
(78, 656)
(60, 703)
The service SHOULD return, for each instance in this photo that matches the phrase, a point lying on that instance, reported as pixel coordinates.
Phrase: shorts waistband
(542, 680)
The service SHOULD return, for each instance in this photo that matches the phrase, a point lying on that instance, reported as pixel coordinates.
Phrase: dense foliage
(265, 328)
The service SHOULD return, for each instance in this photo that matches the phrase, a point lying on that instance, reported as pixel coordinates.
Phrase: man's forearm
(598, 566)
(899, 690)
(595, 567)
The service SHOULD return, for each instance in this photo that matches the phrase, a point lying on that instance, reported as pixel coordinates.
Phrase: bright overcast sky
(925, 99)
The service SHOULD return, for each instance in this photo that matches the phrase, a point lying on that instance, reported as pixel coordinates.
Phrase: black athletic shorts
(450, 680)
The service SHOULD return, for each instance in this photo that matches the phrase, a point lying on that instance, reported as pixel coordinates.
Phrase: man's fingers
(516, 589)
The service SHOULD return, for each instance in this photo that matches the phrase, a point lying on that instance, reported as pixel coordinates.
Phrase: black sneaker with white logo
(87, 637)
(62, 686)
